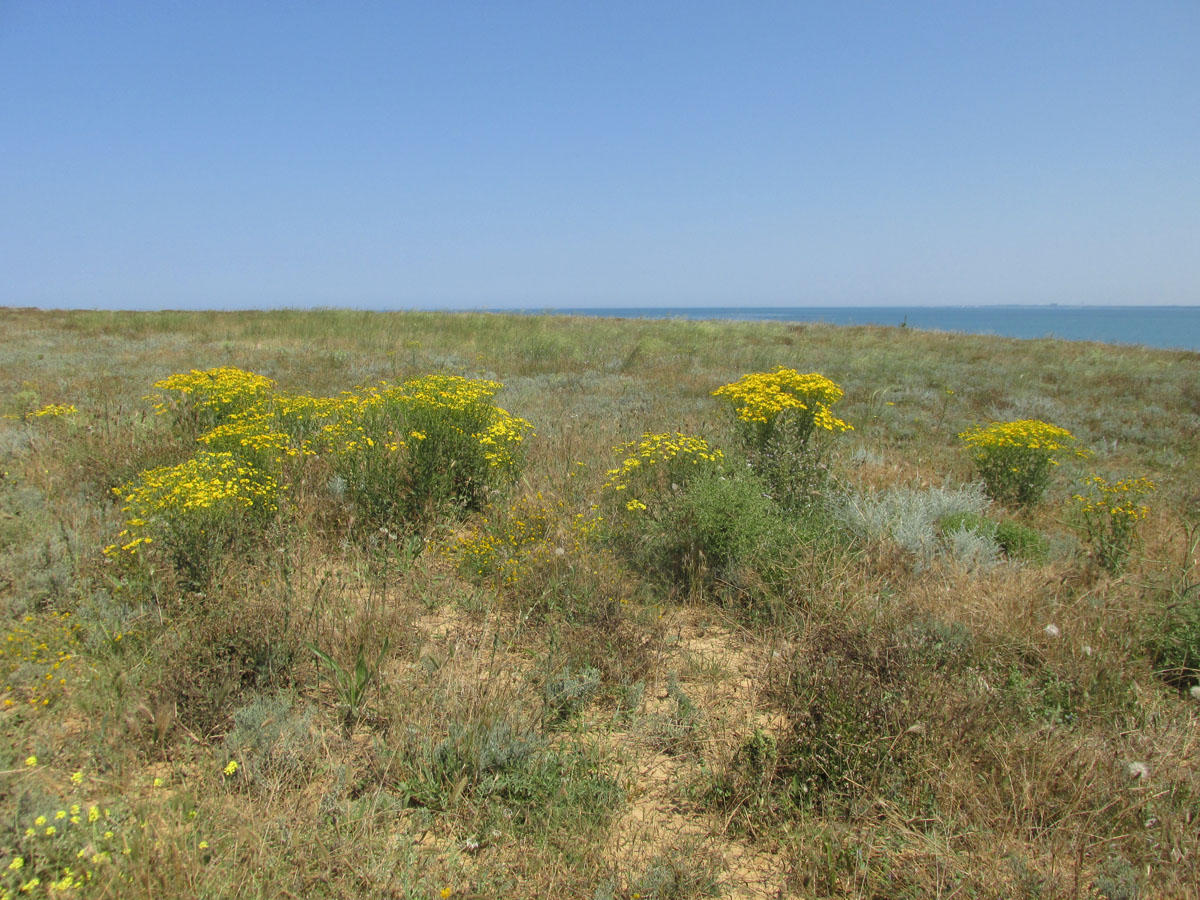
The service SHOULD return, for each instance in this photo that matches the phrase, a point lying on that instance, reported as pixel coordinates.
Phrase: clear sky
(603, 153)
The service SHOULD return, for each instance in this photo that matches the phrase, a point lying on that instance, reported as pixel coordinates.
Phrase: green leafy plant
(1016, 540)
(352, 684)
(1174, 642)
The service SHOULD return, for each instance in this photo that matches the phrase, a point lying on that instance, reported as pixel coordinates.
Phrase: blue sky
(251, 154)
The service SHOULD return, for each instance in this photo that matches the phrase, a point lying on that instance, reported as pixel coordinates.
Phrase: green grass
(870, 683)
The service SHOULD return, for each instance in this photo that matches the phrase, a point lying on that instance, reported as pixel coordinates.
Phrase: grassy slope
(970, 751)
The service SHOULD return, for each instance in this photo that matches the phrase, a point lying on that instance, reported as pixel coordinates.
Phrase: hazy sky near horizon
(538, 154)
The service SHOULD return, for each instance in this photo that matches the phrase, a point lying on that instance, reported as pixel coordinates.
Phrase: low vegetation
(415, 605)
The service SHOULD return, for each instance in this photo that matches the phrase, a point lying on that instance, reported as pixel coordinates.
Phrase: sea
(1166, 327)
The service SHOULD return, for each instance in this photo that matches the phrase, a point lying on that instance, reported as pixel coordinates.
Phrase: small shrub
(539, 553)
(501, 762)
(1016, 540)
(939, 645)
(194, 511)
(672, 507)
(1108, 514)
(680, 874)
(657, 465)
(1117, 880)
(842, 743)
(272, 740)
(501, 546)
(679, 731)
(907, 516)
(1021, 542)
(777, 414)
(1014, 459)
(406, 451)
(38, 657)
(974, 550)
(1175, 643)
(216, 654)
(715, 525)
(748, 783)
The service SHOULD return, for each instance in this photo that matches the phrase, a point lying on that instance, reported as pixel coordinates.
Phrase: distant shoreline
(1162, 327)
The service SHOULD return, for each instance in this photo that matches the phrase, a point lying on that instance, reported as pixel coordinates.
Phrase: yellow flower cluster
(1116, 499)
(501, 438)
(51, 411)
(1014, 458)
(303, 416)
(441, 391)
(396, 449)
(497, 548)
(59, 852)
(1026, 434)
(1108, 514)
(54, 409)
(36, 659)
(761, 397)
(208, 491)
(252, 434)
(521, 538)
(660, 450)
(375, 417)
(654, 467)
(213, 393)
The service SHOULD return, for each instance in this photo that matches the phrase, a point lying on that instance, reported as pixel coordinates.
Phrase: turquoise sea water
(1170, 327)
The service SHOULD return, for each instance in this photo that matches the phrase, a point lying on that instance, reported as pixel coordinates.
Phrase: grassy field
(830, 668)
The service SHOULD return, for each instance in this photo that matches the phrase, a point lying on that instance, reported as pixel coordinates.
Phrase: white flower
(1052, 631)
(1195, 692)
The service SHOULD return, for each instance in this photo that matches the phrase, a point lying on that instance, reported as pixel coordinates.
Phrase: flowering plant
(194, 510)
(1014, 458)
(762, 401)
(201, 400)
(777, 415)
(405, 449)
(657, 464)
(1108, 515)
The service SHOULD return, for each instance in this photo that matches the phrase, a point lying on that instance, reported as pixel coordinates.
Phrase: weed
(677, 875)
(1174, 635)
(352, 683)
